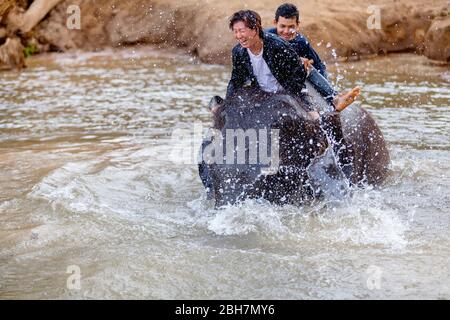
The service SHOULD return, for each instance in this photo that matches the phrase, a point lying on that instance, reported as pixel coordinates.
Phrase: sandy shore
(200, 26)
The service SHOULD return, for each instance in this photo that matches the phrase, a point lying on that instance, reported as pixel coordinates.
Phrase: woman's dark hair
(250, 18)
(288, 11)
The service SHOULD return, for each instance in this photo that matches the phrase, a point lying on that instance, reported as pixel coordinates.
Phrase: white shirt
(265, 78)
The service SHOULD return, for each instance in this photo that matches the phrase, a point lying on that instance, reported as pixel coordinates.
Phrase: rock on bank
(201, 27)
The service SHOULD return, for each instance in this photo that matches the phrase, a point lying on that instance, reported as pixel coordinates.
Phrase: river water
(94, 204)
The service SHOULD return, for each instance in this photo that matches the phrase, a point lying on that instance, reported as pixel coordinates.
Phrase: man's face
(246, 36)
(286, 28)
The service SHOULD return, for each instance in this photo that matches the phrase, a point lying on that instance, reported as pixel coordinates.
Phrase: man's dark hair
(251, 19)
(288, 11)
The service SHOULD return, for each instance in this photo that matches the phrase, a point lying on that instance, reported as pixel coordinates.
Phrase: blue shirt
(304, 49)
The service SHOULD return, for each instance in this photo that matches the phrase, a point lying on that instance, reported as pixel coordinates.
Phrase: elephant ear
(218, 116)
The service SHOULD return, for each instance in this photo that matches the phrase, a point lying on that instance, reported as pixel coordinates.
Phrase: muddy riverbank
(346, 29)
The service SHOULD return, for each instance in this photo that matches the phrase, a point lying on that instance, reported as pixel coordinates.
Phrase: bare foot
(343, 100)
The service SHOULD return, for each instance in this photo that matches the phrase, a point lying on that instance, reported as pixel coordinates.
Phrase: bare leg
(343, 100)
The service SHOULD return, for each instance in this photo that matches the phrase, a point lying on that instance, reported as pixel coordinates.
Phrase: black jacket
(281, 59)
(304, 49)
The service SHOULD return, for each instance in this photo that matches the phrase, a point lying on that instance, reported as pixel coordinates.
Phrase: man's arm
(237, 75)
(307, 51)
(293, 69)
(294, 73)
(318, 64)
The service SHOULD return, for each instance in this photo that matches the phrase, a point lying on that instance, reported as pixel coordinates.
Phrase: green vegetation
(30, 50)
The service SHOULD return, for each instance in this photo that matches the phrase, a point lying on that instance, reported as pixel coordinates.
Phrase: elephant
(310, 158)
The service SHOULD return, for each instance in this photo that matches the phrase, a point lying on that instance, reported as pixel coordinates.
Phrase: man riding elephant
(264, 61)
(266, 91)
(260, 59)
(286, 22)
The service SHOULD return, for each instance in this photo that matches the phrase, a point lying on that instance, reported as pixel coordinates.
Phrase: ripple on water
(105, 188)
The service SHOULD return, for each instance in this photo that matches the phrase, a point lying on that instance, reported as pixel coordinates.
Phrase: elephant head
(267, 146)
